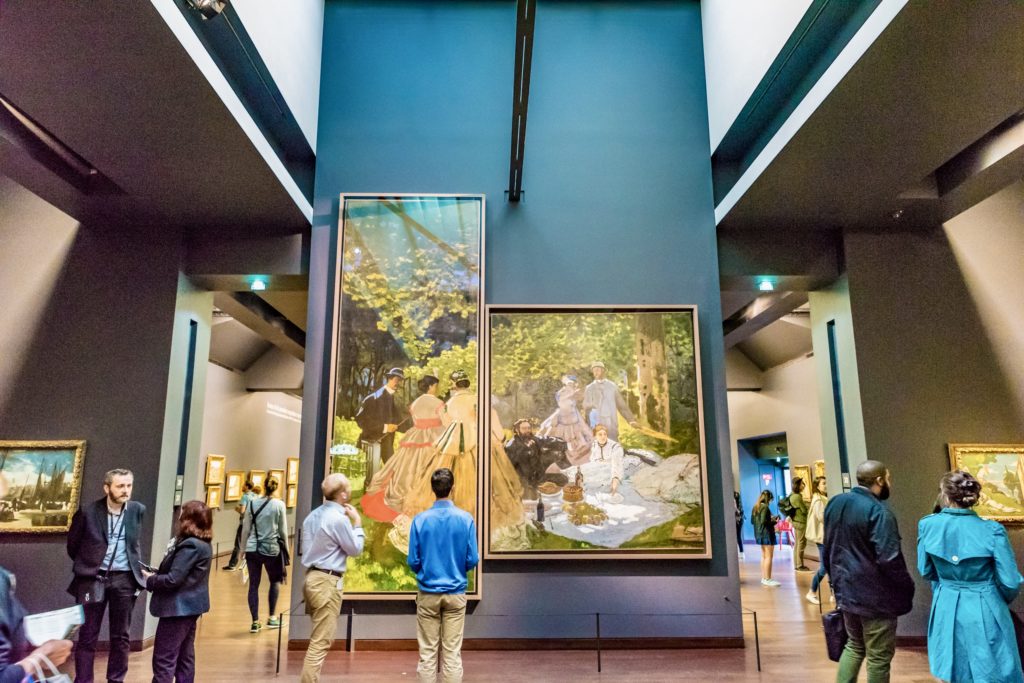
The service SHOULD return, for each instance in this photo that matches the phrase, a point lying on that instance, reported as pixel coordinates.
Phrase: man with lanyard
(103, 542)
(330, 535)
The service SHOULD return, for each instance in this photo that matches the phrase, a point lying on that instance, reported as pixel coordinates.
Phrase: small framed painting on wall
(214, 495)
(292, 471)
(277, 475)
(292, 497)
(233, 488)
(214, 470)
(1000, 470)
(258, 478)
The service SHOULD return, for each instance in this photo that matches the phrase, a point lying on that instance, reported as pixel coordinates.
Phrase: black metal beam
(525, 11)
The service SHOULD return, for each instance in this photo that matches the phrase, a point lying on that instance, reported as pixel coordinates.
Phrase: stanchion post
(279, 629)
(757, 642)
(597, 623)
(348, 633)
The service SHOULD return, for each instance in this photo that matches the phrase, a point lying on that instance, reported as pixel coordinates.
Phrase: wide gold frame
(485, 414)
(819, 469)
(291, 471)
(233, 484)
(957, 450)
(76, 480)
(210, 478)
(333, 369)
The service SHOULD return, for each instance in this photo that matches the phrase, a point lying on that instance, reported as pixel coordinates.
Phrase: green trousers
(871, 639)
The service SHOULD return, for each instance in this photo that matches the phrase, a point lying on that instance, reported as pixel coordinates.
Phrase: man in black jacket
(865, 564)
(379, 415)
(104, 544)
(536, 458)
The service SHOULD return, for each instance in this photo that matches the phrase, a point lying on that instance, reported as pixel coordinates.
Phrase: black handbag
(835, 634)
(1018, 630)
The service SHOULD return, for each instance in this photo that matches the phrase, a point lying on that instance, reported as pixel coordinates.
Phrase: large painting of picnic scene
(406, 388)
(596, 445)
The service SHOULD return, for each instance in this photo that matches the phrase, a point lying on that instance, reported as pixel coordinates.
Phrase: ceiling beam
(759, 314)
(263, 319)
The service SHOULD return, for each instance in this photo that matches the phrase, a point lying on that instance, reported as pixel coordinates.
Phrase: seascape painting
(42, 480)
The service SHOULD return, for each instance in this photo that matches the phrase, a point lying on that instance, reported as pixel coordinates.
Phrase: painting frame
(279, 476)
(291, 498)
(214, 497)
(233, 485)
(818, 468)
(257, 477)
(291, 470)
(77, 465)
(803, 471)
(339, 308)
(490, 553)
(960, 455)
(214, 472)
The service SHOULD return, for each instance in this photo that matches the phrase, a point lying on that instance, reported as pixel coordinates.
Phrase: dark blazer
(863, 557)
(87, 540)
(377, 409)
(181, 586)
(13, 645)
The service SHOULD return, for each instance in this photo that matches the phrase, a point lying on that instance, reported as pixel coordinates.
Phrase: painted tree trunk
(652, 372)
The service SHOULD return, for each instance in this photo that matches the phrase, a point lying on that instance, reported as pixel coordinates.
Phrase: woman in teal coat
(974, 578)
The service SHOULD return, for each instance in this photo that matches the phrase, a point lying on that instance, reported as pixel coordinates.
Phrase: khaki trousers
(323, 603)
(440, 621)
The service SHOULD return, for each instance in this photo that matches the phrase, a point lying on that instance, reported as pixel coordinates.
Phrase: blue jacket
(863, 557)
(181, 586)
(442, 548)
(13, 645)
(974, 576)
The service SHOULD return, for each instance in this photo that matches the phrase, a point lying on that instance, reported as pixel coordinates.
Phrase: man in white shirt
(330, 535)
(602, 403)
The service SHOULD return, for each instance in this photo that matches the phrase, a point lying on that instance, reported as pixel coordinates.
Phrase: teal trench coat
(974, 576)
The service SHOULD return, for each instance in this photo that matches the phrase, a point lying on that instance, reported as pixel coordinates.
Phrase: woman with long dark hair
(181, 594)
(974, 579)
(816, 534)
(764, 535)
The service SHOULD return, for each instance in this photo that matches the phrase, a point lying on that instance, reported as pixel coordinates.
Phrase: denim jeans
(820, 574)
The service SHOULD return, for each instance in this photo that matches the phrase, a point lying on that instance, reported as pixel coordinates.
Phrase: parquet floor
(792, 648)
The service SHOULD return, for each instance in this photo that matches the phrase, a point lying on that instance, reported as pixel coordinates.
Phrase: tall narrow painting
(596, 444)
(409, 287)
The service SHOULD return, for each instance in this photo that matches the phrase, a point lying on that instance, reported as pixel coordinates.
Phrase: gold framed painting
(292, 497)
(258, 478)
(1000, 470)
(279, 476)
(215, 465)
(233, 487)
(43, 485)
(804, 472)
(291, 471)
(819, 469)
(214, 496)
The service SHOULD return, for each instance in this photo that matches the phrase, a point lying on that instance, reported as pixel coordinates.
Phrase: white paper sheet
(55, 625)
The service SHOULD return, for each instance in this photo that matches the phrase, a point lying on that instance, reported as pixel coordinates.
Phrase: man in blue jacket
(865, 564)
(442, 550)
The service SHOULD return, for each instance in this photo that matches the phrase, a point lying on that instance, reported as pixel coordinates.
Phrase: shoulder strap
(256, 513)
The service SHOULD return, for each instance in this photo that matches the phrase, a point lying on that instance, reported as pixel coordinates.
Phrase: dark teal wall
(416, 97)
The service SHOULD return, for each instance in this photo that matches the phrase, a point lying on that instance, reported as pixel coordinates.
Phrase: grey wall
(94, 365)
(237, 424)
(928, 374)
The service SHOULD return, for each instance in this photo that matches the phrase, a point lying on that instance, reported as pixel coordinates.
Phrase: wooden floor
(791, 647)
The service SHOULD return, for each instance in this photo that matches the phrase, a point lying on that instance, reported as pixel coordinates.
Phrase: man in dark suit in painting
(379, 415)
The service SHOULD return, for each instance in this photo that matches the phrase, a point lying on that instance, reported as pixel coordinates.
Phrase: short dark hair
(426, 382)
(108, 478)
(961, 489)
(442, 481)
(462, 384)
(196, 521)
(270, 485)
(798, 484)
(870, 470)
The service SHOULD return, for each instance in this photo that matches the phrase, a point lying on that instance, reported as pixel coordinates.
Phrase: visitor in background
(181, 594)
(974, 578)
(103, 543)
(265, 532)
(867, 571)
(799, 521)
(816, 533)
(236, 553)
(764, 535)
(442, 551)
(740, 517)
(330, 535)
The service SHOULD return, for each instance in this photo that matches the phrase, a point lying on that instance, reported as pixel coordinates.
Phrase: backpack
(786, 507)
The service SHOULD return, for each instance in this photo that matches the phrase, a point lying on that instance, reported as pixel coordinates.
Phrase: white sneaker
(769, 582)
(812, 598)
(832, 598)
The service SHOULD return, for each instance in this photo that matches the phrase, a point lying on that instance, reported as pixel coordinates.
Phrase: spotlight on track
(208, 8)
